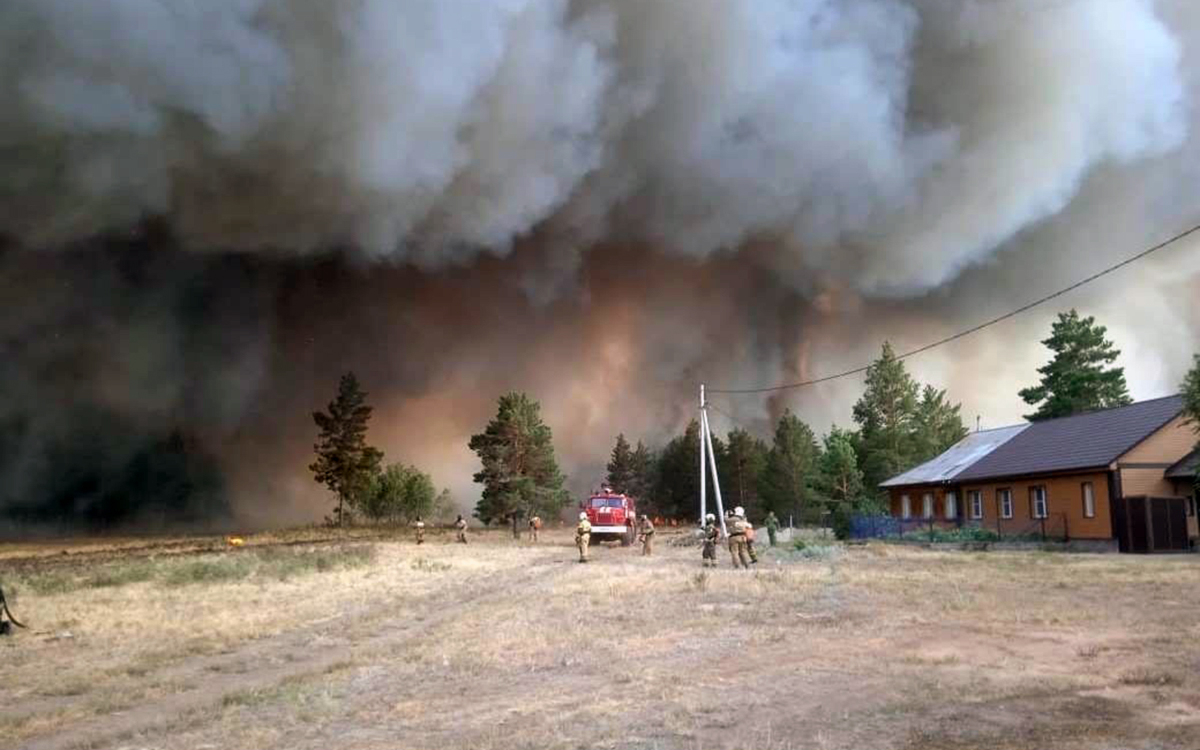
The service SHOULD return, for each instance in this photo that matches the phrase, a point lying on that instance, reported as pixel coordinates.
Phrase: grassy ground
(373, 642)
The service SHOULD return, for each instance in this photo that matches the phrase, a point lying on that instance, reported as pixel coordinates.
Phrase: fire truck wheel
(627, 538)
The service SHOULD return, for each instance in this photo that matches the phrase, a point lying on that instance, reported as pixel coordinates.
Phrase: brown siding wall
(1145, 482)
(1064, 497)
(917, 494)
(1169, 444)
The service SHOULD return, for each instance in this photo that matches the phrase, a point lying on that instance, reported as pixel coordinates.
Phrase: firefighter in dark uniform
(712, 535)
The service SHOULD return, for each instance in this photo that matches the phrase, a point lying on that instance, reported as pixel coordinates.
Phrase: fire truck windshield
(606, 502)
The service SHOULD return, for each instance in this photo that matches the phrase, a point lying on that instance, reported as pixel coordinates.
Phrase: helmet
(645, 517)
(583, 516)
(710, 517)
(739, 511)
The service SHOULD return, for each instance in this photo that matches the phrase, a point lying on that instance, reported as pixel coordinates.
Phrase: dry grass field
(299, 641)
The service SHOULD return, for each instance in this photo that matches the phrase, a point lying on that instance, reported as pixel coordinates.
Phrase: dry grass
(497, 644)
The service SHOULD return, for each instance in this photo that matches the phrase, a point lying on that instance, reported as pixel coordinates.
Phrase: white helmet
(739, 511)
(583, 516)
(710, 517)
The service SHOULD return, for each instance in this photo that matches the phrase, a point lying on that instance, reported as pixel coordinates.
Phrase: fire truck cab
(613, 516)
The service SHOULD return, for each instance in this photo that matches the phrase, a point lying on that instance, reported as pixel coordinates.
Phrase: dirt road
(497, 645)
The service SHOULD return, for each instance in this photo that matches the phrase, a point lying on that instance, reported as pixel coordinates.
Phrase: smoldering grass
(274, 563)
(277, 563)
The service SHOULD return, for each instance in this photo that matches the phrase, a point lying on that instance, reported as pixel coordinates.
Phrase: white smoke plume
(760, 185)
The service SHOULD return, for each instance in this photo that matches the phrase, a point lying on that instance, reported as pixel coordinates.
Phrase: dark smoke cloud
(213, 210)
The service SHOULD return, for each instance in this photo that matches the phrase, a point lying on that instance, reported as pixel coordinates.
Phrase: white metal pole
(703, 480)
(713, 457)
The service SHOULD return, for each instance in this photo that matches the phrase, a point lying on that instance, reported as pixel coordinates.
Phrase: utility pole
(703, 468)
(707, 446)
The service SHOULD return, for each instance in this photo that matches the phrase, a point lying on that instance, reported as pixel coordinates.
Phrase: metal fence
(1052, 528)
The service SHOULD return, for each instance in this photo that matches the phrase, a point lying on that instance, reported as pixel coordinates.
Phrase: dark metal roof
(1082, 441)
(1185, 468)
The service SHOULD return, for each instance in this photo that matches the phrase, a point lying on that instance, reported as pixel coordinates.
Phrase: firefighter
(749, 537)
(535, 525)
(712, 534)
(460, 526)
(737, 540)
(647, 536)
(583, 536)
(419, 525)
(772, 524)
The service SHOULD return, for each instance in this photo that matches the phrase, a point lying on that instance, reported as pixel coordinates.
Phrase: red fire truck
(613, 516)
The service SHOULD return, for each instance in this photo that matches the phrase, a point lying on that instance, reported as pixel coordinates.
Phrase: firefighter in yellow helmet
(647, 536)
(583, 537)
(736, 525)
(535, 525)
(738, 511)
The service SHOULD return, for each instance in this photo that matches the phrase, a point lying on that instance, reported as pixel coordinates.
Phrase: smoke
(214, 209)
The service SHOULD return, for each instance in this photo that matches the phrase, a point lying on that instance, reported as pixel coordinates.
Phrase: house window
(1089, 501)
(905, 506)
(927, 505)
(976, 503)
(1004, 500)
(1037, 502)
(951, 505)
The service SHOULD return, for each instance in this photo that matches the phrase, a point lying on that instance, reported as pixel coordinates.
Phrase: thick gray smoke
(601, 201)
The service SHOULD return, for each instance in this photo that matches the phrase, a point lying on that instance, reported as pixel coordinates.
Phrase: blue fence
(1053, 527)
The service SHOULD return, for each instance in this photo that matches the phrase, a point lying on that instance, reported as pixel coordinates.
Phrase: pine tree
(787, 480)
(746, 458)
(1191, 393)
(1191, 402)
(520, 474)
(677, 490)
(644, 473)
(886, 415)
(1077, 378)
(840, 481)
(621, 468)
(345, 463)
(938, 425)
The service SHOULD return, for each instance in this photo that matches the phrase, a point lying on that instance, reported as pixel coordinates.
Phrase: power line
(976, 329)
(733, 420)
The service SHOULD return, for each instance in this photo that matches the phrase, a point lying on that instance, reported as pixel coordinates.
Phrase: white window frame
(950, 502)
(905, 506)
(1039, 506)
(976, 503)
(1004, 498)
(927, 505)
(1089, 500)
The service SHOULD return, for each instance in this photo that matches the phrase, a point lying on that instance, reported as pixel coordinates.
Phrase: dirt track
(497, 645)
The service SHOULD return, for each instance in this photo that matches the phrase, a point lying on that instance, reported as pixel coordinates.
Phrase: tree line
(796, 473)
(353, 469)
(899, 423)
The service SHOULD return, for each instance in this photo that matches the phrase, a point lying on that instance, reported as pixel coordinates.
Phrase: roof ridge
(1107, 409)
(1001, 427)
